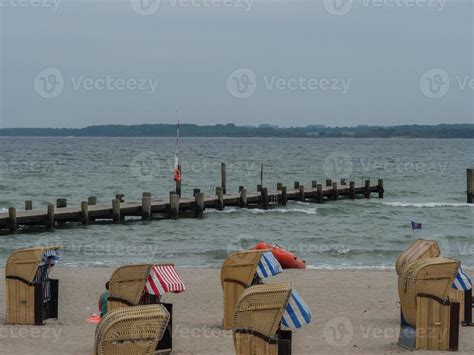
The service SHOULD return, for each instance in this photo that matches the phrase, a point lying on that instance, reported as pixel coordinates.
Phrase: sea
(424, 179)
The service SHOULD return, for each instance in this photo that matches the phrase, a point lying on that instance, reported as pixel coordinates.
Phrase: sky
(68, 63)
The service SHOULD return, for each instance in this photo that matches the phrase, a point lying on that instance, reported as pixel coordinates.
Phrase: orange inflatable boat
(287, 259)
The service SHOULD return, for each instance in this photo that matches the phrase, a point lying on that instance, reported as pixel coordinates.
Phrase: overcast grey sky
(67, 63)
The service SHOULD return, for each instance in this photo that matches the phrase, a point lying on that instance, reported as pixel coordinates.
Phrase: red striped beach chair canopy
(162, 279)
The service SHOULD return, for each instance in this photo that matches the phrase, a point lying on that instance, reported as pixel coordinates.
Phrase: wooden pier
(175, 206)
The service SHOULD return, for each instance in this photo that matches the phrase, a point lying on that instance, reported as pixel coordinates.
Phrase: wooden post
(279, 186)
(146, 206)
(50, 220)
(116, 210)
(61, 203)
(380, 188)
(264, 196)
(284, 196)
(241, 188)
(352, 190)
(196, 191)
(319, 193)
(302, 193)
(28, 205)
(328, 182)
(470, 185)
(243, 198)
(343, 181)
(12, 219)
(334, 191)
(85, 212)
(120, 197)
(199, 205)
(296, 185)
(174, 204)
(220, 198)
(314, 183)
(92, 201)
(259, 188)
(223, 179)
(367, 189)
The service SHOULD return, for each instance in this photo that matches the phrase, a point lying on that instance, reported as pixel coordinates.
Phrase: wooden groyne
(175, 206)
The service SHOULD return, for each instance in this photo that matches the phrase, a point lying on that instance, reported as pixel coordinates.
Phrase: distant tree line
(231, 130)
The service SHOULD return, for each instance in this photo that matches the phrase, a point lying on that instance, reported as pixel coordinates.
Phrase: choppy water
(425, 181)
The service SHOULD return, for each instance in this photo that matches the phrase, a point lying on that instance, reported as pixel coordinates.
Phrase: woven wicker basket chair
(419, 249)
(132, 330)
(127, 285)
(31, 296)
(430, 276)
(127, 288)
(258, 317)
(237, 274)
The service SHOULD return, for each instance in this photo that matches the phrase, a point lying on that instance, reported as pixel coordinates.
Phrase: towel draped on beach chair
(50, 257)
(268, 265)
(297, 314)
(462, 281)
(163, 279)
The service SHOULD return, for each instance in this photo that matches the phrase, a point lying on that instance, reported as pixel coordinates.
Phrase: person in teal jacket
(103, 301)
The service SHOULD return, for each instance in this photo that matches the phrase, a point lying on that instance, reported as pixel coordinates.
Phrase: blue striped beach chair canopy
(462, 281)
(268, 265)
(297, 314)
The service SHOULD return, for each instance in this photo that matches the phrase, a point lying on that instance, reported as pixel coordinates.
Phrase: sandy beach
(353, 312)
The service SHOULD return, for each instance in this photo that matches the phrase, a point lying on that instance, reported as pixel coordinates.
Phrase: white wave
(3, 210)
(426, 204)
(312, 211)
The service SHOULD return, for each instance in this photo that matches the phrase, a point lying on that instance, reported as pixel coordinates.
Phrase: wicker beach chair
(261, 313)
(238, 272)
(419, 249)
(134, 285)
(132, 330)
(127, 285)
(31, 296)
(430, 279)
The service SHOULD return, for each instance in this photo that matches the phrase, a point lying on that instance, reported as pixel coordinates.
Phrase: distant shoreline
(232, 131)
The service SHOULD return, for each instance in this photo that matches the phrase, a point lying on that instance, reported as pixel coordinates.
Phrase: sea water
(425, 181)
